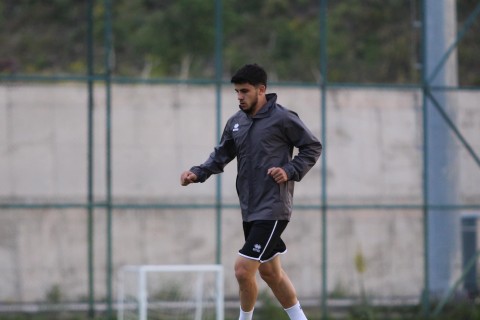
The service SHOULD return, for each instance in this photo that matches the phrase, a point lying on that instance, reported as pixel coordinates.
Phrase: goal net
(171, 292)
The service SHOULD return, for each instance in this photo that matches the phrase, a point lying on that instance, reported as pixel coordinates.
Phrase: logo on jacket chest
(235, 127)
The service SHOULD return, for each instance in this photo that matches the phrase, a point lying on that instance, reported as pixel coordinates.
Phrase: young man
(262, 135)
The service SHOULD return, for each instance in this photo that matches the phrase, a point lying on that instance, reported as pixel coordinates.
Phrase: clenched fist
(187, 177)
(278, 174)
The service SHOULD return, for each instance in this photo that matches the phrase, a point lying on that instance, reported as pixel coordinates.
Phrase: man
(262, 135)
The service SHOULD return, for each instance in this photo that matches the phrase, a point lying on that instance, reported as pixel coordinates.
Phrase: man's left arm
(309, 148)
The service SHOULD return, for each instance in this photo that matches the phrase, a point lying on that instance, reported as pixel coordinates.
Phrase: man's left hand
(278, 174)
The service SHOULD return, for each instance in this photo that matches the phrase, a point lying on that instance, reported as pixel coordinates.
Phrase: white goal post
(142, 277)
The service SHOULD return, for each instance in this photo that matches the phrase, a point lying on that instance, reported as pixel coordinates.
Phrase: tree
(369, 41)
(164, 38)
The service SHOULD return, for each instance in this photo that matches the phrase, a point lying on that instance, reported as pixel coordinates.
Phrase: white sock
(245, 315)
(296, 312)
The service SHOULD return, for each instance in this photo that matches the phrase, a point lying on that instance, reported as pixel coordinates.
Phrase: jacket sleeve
(309, 147)
(223, 153)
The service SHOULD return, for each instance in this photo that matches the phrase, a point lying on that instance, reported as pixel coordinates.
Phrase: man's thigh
(271, 268)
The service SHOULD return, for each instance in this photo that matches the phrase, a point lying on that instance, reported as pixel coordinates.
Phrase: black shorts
(262, 239)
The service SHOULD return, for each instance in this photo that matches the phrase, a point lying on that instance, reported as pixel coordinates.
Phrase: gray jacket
(260, 142)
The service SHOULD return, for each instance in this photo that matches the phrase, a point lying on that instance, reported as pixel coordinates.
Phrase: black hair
(250, 73)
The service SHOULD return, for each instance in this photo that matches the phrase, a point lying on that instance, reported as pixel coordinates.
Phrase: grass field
(459, 310)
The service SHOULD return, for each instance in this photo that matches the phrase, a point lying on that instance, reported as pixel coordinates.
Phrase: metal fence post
(218, 92)
(323, 88)
(108, 124)
(90, 172)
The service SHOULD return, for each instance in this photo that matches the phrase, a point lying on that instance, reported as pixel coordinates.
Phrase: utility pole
(441, 167)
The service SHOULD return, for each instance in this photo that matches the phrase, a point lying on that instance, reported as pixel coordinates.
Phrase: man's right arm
(218, 159)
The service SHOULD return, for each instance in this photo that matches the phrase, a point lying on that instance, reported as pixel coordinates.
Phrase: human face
(250, 97)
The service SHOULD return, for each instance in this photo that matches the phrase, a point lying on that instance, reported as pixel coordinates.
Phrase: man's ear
(262, 89)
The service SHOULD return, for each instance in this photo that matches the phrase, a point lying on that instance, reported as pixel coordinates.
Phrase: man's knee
(245, 269)
(242, 273)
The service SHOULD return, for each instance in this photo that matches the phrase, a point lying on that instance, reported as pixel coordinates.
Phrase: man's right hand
(187, 177)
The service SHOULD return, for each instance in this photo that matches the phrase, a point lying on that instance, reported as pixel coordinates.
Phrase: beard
(249, 108)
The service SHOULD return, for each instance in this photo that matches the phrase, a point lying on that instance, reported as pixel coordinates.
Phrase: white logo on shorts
(257, 248)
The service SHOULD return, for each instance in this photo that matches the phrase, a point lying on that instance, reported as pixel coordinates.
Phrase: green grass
(269, 309)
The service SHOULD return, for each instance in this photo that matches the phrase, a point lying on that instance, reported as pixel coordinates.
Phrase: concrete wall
(374, 148)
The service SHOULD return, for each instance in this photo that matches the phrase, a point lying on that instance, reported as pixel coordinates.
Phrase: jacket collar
(267, 109)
